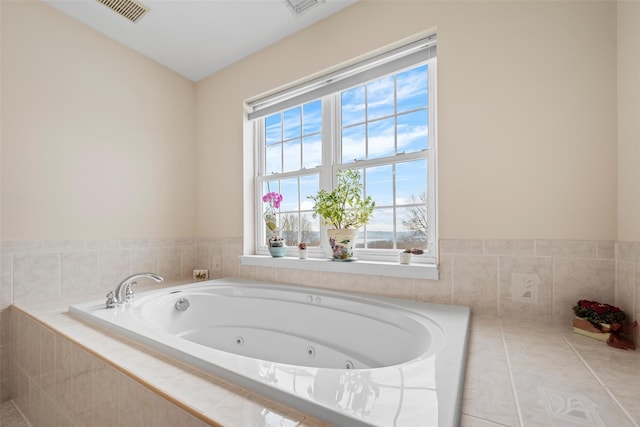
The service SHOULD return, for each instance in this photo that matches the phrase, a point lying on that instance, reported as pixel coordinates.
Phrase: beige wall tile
(230, 260)
(188, 260)
(113, 266)
(144, 260)
(63, 245)
(78, 272)
(475, 283)
(526, 287)
(47, 380)
(36, 275)
(63, 374)
(509, 247)
(105, 391)
(566, 248)
(169, 263)
(265, 274)
(81, 387)
(629, 251)
(136, 404)
(32, 348)
(6, 280)
(457, 247)
(581, 279)
(624, 288)
(606, 249)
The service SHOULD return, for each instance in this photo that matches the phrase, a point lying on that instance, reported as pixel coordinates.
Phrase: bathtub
(351, 360)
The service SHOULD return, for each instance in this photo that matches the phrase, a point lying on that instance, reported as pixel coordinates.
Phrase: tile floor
(528, 374)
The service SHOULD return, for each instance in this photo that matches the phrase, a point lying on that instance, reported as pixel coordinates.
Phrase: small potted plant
(405, 256)
(277, 249)
(603, 322)
(345, 209)
(302, 250)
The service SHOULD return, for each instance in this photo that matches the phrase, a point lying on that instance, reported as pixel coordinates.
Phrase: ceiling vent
(130, 9)
(298, 7)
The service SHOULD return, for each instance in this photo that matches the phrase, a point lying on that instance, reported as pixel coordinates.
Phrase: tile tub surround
(528, 279)
(518, 374)
(48, 269)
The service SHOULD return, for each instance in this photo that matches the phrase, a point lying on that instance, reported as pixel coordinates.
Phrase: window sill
(389, 269)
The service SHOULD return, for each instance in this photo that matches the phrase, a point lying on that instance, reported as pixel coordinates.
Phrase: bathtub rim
(451, 385)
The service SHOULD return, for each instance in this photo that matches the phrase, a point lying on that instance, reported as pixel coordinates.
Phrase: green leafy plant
(344, 207)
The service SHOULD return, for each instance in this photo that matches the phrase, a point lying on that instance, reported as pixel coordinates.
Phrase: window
(377, 117)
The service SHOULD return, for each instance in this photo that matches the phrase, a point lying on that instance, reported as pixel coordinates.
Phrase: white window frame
(373, 261)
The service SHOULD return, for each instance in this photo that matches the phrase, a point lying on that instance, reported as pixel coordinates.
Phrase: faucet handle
(112, 301)
(129, 291)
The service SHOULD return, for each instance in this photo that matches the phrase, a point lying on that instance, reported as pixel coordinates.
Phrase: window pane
(310, 230)
(411, 181)
(352, 102)
(289, 226)
(273, 129)
(292, 120)
(380, 229)
(379, 184)
(291, 156)
(412, 89)
(381, 138)
(413, 131)
(312, 117)
(273, 159)
(289, 191)
(380, 98)
(312, 151)
(412, 227)
(309, 186)
(353, 144)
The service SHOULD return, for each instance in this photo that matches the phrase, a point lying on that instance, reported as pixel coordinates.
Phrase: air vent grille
(298, 7)
(132, 10)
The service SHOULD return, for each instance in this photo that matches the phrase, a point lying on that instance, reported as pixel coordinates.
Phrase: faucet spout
(124, 291)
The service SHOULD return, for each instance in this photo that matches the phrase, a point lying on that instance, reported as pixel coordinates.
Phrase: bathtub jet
(348, 359)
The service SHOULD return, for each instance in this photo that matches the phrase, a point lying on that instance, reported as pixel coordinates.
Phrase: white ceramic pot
(405, 257)
(342, 242)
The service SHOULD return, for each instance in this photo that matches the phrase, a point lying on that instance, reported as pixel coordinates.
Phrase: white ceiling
(196, 38)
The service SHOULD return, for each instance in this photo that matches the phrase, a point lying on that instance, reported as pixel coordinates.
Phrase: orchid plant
(273, 200)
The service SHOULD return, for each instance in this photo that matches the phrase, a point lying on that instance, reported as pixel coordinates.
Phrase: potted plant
(405, 256)
(603, 322)
(345, 209)
(277, 249)
(302, 250)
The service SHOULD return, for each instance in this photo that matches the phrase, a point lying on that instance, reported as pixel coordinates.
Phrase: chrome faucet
(124, 291)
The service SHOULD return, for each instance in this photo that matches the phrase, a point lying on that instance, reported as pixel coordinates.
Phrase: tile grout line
(513, 384)
(584, 362)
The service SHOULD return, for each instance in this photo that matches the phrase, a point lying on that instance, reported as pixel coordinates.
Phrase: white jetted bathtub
(352, 360)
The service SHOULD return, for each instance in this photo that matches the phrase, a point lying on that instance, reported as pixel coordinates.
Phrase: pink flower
(273, 198)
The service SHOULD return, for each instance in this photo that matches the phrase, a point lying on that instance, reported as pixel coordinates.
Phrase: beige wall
(628, 121)
(527, 112)
(98, 142)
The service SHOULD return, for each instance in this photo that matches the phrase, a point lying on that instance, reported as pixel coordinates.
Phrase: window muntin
(384, 129)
